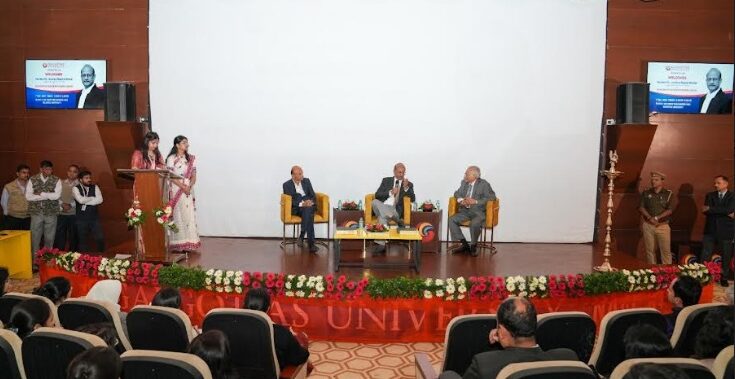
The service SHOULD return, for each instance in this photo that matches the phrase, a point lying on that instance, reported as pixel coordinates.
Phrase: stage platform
(266, 255)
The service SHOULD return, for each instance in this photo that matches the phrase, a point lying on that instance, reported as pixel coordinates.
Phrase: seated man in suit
(303, 204)
(472, 195)
(715, 101)
(516, 333)
(683, 292)
(388, 203)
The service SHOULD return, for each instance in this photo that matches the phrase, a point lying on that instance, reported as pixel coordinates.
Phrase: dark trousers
(66, 230)
(725, 247)
(84, 227)
(15, 223)
(307, 222)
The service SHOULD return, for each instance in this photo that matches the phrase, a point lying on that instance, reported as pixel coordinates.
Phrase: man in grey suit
(388, 203)
(472, 195)
(516, 333)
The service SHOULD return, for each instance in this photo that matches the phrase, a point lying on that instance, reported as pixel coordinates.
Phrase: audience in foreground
(654, 371)
(289, 350)
(95, 363)
(646, 341)
(214, 349)
(516, 333)
(109, 291)
(683, 292)
(167, 297)
(56, 289)
(29, 315)
(716, 334)
(104, 330)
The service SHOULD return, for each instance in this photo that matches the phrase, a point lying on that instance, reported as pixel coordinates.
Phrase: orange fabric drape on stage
(368, 320)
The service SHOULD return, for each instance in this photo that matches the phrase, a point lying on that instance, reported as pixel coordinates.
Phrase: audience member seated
(291, 349)
(654, 371)
(646, 341)
(4, 274)
(56, 289)
(104, 330)
(109, 291)
(214, 349)
(683, 292)
(29, 315)
(716, 334)
(167, 297)
(516, 333)
(95, 363)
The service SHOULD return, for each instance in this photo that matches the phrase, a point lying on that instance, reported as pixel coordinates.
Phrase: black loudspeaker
(119, 102)
(632, 103)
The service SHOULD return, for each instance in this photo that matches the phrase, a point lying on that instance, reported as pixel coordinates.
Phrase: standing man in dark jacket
(719, 207)
(303, 204)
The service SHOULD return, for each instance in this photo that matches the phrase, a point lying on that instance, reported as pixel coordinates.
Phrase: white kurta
(184, 209)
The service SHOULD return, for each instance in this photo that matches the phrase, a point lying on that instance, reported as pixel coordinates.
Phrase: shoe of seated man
(300, 241)
(312, 248)
(473, 250)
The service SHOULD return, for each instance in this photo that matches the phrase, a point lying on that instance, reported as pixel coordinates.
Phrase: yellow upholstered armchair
(492, 210)
(370, 219)
(320, 217)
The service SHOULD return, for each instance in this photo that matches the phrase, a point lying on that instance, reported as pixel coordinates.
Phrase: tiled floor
(346, 360)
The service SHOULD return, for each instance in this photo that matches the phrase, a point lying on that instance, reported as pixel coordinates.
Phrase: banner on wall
(690, 87)
(65, 84)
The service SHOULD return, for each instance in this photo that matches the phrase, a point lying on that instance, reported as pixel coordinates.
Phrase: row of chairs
(162, 329)
(48, 351)
(467, 335)
(322, 216)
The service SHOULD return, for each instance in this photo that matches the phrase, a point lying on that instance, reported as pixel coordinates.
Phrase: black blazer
(289, 188)
(487, 365)
(288, 349)
(720, 104)
(383, 193)
(718, 223)
(95, 98)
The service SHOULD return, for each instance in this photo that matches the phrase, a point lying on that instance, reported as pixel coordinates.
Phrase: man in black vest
(88, 196)
(719, 208)
(43, 192)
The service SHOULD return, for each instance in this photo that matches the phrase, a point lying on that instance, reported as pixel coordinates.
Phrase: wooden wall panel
(690, 149)
(115, 30)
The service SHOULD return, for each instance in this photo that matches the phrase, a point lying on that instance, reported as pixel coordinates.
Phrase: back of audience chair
(148, 364)
(688, 323)
(11, 359)
(723, 365)
(692, 367)
(466, 336)
(24, 296)
(48, 351)
(7, 302)
(251, 340)
(159, 328)
(609, 349)
(571, 330)
(547, 370)
(75, 313)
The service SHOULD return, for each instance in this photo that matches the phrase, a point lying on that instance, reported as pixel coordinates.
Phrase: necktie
(469, 191)
(721, 195)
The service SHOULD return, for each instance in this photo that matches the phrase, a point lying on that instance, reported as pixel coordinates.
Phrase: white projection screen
(347, 88)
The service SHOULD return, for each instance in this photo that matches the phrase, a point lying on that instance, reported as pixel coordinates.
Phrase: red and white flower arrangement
(165, 218)
(135, 215)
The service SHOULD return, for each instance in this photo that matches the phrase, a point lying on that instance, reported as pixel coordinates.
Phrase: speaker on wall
(120, 101)
(632, 106)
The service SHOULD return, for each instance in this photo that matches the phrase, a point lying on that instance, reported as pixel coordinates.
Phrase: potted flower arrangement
(349, 205)
(135, 216)
(427, 206)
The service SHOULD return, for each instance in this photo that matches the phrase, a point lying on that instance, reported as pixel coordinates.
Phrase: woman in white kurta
(181, 196)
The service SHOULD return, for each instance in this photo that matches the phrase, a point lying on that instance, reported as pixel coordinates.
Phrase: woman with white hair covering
(109, 291)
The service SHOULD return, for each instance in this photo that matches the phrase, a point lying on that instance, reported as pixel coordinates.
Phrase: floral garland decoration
(135, 216)
(342, 288)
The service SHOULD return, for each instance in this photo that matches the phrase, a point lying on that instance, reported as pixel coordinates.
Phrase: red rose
(330, 287)
(562, 286)
(271, 276)
(256, 284)
(340, 287)
(269, 283)
(279, 283)
(257, 275)
(342, 279)
(329, 278)
(351, 285)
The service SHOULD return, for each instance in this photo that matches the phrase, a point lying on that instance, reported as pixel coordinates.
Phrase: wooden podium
(148, 189)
